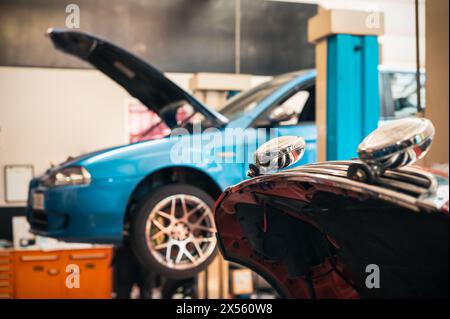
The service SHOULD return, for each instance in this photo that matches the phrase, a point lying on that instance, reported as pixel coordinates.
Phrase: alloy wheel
(180, 231)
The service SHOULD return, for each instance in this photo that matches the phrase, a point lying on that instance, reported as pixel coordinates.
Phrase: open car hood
(139, 78)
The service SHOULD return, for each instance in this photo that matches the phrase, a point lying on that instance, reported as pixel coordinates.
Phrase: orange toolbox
(6, 274)
(61, 274)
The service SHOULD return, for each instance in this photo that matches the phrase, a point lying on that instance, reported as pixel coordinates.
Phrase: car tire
(173, 232)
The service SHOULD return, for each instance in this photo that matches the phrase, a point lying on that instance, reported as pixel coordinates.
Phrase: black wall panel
(6, 216)
(274, 37)
(173, 35)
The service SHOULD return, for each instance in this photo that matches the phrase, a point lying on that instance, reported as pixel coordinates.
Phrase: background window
(403, 94)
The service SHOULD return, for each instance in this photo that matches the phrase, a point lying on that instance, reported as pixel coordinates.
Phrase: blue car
(144, 194)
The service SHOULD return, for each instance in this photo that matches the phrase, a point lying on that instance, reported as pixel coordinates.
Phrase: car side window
(402, 94)
(293, 109)
(294, 105)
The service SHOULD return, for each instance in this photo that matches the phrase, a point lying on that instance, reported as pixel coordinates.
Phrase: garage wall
(47, 115)
(174, 35)
(398, 42)
(437, 99)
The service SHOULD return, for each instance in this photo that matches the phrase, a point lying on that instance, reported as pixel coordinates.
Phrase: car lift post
(347, 93)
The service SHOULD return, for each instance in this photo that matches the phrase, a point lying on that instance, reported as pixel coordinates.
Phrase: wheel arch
(171, 175)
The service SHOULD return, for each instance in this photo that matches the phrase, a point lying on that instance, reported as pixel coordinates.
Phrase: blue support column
(352, 93)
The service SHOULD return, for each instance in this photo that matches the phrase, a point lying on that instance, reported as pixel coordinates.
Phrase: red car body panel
(330, 279)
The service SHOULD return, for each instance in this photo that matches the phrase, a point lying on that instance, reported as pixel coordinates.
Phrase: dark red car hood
(313, 240)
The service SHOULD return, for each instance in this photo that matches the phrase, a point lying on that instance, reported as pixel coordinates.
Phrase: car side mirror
(276, 154)
(280, 114)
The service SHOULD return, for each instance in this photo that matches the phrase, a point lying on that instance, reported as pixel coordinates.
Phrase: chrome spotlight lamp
(392, 146)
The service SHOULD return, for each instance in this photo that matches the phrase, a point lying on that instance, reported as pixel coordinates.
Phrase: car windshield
(248, 100)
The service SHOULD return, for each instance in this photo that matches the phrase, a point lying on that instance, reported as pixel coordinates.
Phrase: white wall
(47, 115)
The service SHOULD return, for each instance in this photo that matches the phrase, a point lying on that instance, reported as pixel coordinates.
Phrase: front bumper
(91, 213)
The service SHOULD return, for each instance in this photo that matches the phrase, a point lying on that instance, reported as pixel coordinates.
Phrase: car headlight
(72, 175)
